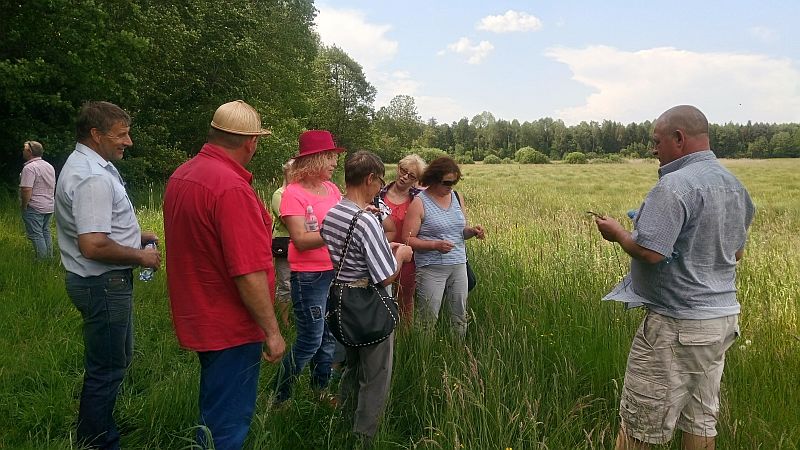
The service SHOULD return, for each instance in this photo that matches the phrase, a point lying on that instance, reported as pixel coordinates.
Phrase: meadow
(542, 365)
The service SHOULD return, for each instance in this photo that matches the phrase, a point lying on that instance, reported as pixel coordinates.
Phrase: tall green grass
(542, 364)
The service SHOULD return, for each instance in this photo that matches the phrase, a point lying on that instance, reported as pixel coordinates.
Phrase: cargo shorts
(673, 376)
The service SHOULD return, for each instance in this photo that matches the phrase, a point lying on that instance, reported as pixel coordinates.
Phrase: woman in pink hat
(309, 192)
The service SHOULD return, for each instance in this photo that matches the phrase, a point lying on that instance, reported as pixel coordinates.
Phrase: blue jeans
(106, 305)
(314, 342)
(228, 389)
(37, 227)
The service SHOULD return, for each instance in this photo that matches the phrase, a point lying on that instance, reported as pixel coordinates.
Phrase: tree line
(170, 64)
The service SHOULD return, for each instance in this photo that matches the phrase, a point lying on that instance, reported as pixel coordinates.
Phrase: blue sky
(620, 60)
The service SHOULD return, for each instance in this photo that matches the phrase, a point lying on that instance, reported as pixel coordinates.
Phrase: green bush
(611, 158)
(464, 159)
(576, 158)
(527, 155)
(507, 161)
(492, 159)
(429, 154)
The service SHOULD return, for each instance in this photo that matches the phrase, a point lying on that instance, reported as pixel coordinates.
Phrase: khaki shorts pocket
(699, 337)
(643, 406)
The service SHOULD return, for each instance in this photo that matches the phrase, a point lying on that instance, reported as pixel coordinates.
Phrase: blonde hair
(413, 163)
(307, 167)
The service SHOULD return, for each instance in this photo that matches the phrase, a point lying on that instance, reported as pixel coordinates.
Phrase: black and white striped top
(369, 255)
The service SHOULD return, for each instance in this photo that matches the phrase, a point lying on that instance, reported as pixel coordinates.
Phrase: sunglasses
(448, 183)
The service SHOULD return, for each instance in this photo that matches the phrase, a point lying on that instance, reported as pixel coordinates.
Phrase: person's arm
(99, 247)
(303, 240)
(739, 255)
(254, 290)
(612, 231)
(411, 226)
(389, 228)
(402, 254)
(25, 196)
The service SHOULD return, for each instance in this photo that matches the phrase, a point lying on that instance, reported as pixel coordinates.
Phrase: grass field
(542, 365)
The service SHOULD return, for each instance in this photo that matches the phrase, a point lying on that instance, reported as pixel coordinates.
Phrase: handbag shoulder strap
(347, 243)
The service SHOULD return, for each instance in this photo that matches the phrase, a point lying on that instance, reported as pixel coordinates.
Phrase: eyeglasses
(404, 173)
(449, 183)
(380, 178)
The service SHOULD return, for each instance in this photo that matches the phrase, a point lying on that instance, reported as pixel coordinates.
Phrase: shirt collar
(91, 154)
(219, 153)
(412, 191)
(35, 158)
(680, 163)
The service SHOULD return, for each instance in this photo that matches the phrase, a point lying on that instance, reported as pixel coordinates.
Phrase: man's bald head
(683, 117)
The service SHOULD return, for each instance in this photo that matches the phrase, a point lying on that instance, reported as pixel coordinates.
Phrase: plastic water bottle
(632, 214)
(312, 224)
(146, 274)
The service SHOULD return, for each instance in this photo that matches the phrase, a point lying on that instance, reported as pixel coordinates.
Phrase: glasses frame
(406, 173)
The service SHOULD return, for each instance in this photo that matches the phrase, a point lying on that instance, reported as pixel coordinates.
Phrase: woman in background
(283, 290)
(397, 196)
(437, 228)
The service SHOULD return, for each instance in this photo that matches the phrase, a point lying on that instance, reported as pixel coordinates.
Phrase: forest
(171, 64)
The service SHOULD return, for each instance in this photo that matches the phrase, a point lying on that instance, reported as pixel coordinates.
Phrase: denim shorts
(673, 376)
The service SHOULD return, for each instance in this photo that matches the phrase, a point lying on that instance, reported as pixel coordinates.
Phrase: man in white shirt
(100, 242)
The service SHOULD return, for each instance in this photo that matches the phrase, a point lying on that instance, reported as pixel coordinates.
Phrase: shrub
(464, 159)
(508, 161)
(527, 155)
(611, 158)
(575, 158)
(429, 154)
(492, 159)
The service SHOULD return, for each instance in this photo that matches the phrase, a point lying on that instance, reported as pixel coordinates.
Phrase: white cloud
(511, 21)
(763, 34)
(443, 109)
(629, 86)
(349, 30)
(475, 53)
(368, 44)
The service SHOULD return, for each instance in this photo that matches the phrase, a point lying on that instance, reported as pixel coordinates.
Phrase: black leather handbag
(472, 280)
(280, 246)
(359, 313)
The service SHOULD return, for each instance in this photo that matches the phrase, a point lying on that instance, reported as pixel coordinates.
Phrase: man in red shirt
(221, 277)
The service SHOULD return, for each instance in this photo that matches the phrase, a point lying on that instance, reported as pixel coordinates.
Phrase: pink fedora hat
(316, 141)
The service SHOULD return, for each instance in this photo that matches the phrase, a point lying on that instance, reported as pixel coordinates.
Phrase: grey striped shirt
(369, 255)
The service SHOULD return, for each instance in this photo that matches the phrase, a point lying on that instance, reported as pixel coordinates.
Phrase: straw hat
(316, 141)
(237, 117)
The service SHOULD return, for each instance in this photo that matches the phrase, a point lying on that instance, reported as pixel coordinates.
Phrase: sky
(626, 61)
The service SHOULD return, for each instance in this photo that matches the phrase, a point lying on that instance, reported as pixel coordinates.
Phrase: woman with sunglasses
(398, 196)
(436, 228)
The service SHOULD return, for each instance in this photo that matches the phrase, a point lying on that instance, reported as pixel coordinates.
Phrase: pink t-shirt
(293, 203)
(40, 176)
